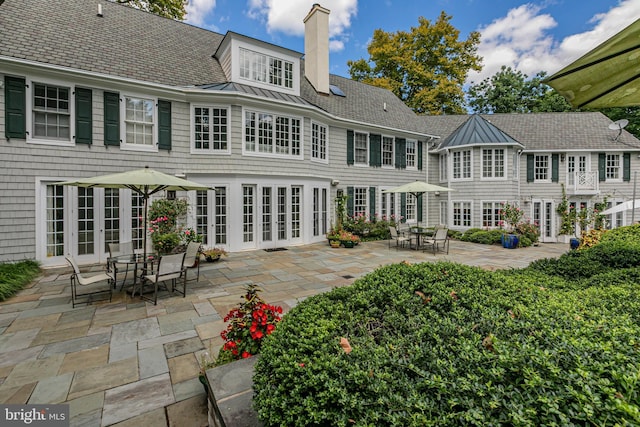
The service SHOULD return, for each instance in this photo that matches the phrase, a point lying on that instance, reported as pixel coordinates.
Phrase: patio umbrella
(607, 76)
(145, 182)
(621, 207)
(418, 188)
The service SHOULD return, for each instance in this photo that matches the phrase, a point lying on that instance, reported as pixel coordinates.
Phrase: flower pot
(334, 243)
(574, 243)
(212, 258)
(348, 244)
(510, 241)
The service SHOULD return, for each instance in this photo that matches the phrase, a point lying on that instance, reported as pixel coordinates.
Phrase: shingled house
(90, 87)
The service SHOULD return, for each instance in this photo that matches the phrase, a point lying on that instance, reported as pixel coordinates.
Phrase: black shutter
(530, 165)
(403, 207)
(602, 165)
(401, 153)
(15, 119)
(375, 150)
(164, 125)
(111, 118)
(84, 116)
(419, 206)
(350, 195)
(350, 147)
(626, 167)
(372, 203)
(419, 155)
(555, 163)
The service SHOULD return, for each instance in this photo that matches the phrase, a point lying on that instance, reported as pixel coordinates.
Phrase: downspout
(519, 180)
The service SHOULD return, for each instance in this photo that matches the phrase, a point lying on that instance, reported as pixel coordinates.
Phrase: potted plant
(214, 254)
(511, 216)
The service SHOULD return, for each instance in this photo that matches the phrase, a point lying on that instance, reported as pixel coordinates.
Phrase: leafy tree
(510, 91)
(425, 67)
(173, 9)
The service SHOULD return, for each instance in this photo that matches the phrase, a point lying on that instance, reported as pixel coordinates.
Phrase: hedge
(447, 345)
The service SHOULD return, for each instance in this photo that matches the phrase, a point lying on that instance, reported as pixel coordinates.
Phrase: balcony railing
(583, 183)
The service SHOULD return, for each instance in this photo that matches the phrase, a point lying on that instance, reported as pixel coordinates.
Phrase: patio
(131, 363)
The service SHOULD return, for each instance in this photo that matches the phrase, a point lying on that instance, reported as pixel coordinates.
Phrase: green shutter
(84, 116)
(111, 118)
(626, 167)
(350, 196)
(530, 164)
(555, 163)
(419, 155)
(15, 119)
(372, 202)
(403, 207)
(375, 150)
(401, 153)
(350, 154)
(602, 165)
(164, 125)
(419, 207)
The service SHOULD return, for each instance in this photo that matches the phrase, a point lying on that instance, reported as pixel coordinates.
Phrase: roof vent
(99, 10)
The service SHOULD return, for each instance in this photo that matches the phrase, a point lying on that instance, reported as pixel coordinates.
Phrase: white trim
(272, 154)
(30, 82)
(124, 146)
(326, 143)
(192, 130)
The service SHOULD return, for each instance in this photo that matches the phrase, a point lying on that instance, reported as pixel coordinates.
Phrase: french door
(543, 215)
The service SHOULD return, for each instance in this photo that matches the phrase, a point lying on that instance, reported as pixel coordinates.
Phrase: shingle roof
(546, 131)
(477, 130)
(133, 44)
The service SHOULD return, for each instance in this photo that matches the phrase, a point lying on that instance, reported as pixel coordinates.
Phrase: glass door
(543, 215)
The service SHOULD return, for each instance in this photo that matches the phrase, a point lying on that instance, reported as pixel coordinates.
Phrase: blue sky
(528, 36)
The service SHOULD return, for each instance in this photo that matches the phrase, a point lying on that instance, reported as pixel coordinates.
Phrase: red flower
(245, 354)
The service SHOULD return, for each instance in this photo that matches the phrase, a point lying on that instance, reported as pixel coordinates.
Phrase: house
(528, 159)
(91, 87)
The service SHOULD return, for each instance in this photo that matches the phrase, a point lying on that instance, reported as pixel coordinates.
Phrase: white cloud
(197, 11)
(522, 41)
(287, 16)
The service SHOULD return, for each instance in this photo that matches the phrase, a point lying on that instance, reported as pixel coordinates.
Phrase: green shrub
(446, 345)
(485, 237)
(14, 276)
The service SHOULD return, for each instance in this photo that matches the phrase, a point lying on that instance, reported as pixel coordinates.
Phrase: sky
(530, 37)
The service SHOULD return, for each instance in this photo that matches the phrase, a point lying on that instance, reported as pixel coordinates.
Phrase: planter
(564, 238)
(348, 244)
(510, 241)
(213, 258)
(574, 243)
(334, 243)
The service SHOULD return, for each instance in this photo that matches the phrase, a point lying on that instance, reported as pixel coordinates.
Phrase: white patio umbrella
(621, 207)
(418, 188)
(145, 182)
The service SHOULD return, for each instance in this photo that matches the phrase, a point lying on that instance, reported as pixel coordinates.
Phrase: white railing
(583, 183)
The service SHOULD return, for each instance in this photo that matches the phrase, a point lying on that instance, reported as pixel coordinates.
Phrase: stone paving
(130, 363)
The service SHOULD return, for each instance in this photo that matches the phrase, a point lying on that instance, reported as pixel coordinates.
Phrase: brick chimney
(316, 48)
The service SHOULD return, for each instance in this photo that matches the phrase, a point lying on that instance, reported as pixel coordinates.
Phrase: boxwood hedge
(442, 344)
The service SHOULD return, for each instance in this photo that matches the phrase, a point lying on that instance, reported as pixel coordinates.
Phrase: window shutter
(164, 125)
(84, 116)
(626, 167)
(350, 195)
(555, 162)
(372, 202)
(419, 207)
(530, 164)
(350, 156)
(375, 150)
(15, 119)
(403, 207)
(401, 153)
(420, 155)
(111, 118)
(602, 164)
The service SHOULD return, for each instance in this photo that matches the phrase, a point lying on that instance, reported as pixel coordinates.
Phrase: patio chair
(95, 284)
(170, 268)
(118, 249)
(192, 258)
(439, 241)
(400, 240)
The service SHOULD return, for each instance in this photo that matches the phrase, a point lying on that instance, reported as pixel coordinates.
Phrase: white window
(361, 145)
(462, 214)
(612, 167)
(493, 163)
(443, 167)
(318, 142)
(210, 129)
(139, 122)
(541, 168)
(51, 112)
(444, 213)
(268, 133)
(360, 201)
(411, 207)
(491, 214)
(387, 151)
(264, 68)
(411, 154)
(462, 164)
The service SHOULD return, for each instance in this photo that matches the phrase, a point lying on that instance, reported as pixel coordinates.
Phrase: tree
(509, 91)
(172, 9)
(630, 113)
(425, 67)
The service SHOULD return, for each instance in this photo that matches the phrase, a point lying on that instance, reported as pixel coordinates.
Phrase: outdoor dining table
(420, 233)
(137, 260)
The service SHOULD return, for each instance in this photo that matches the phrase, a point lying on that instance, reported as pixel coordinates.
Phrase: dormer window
(263, 68)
